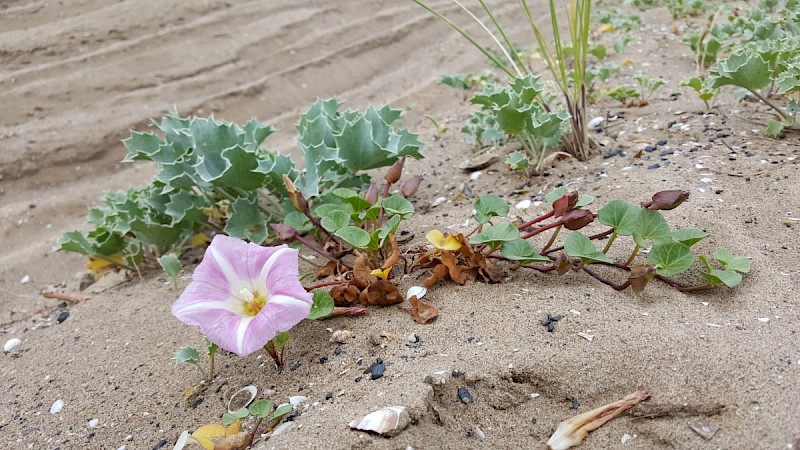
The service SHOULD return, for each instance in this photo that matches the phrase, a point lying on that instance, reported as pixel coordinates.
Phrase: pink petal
(282, 276)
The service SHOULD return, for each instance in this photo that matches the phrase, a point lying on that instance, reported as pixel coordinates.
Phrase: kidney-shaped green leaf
(522, 251)
(576, 245)
(671, 258)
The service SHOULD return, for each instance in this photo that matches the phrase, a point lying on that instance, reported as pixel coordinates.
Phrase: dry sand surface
(77, 75)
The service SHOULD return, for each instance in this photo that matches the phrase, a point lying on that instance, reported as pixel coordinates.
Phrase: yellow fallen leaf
(100, 266)
(606, 28)
(200, 240)
(437, 239)
(206, 434)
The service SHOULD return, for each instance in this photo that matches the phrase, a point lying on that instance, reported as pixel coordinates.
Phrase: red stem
(325, 284)
(543, 229)
(536, 220)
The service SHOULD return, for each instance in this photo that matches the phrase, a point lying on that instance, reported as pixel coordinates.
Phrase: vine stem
(552, 238)
(313, 247)
(325, 284)
(536, 220)
(542, 229)
(610, 241)
(633, 255)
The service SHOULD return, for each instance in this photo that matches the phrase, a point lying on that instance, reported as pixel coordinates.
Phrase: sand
(76, 76)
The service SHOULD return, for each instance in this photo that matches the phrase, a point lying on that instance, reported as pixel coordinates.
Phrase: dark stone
(329, 396)
(337, 351)
(63, 316)
(323, 359)
(662, 142)
(295, 366)
(666, 152)
(613, 153)
(654, 166)
(671, 123)
(575, 404)
(650, 148)
(455, 374)
(376, 369)
(359, 378)
(160, 444)
(465, 396)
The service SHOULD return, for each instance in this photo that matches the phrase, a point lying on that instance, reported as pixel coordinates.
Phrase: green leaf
(397, 204)
(730, 261)
(76, 242)
(354, 236)
(170, 264)
(651, 226)
(389, 228)
(495, 235)
(281, 411)
(488, 206)
(281, 339)
(671, 258)
(576, 245)
(688, 236)
(211, 348)
(188, 355)
(298, 221)
(335, 220)
(743, 69)
(775, 128)
(522, 251)
(728, 277)
(230, 417)
(517, 160)
(261, 408)
(247, 221)
(322, 304)
(350, 196)
(619, 215)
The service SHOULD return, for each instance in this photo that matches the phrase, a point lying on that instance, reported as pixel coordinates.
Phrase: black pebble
(160, 444)
(666, 152)
(671, 123)
(295, 366)
(650, 148)
(654, 166)
(575, 404)
(465, 396)
(359, 378)
(323, 359)
(63, 316)
(328, 395)
(613, 153)
(376, 369)
(661, 142)
(337, 351)
(455, 374)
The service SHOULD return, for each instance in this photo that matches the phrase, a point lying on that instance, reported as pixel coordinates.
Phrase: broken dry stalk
(571, 432)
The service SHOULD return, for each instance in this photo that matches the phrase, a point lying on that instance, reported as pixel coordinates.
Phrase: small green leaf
(211, 348)
(730, 261)
(728, 277)
(576, 245)
(354, 236)
(188, 355)
(298, 221)
(671, 258)
(261, 408)
(335, 220)
(495, 235)
(321, 304)
(397, 204)
(230, 417)
(651, 226)
(170, 264)
(688, 236)
(619, 215)
(351, 197)
(488, 206)
(281, 339)
(775, 128)
(281, 411)
(389, 228)
(517, 160)
(522, 251)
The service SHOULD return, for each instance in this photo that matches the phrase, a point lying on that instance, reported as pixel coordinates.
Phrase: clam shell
(389, 421)
(57, 406)
(11, 344)
(419, 291)
(250, 390)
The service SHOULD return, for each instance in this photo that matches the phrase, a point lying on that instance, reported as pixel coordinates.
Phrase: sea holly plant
(190, 355)
(670, 253)
(215, 176)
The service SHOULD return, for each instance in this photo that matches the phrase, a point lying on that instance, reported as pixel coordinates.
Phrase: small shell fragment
(389, 421)
(596, 122)
(250, 390)
(57, 406)
(524, 204)
(587, 336)
(341, 336)
(297, 399)
(416, 291)
(706, 431)
(438, 201)
(11, 344)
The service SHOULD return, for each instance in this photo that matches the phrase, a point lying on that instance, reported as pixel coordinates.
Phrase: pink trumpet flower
(243, 294)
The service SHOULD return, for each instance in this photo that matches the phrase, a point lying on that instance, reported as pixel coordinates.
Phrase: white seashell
(297, 399)
(525, 204)
(57, 405)
(251, 390)
(479, 433)
(281, 428)
(389, 421)
(183, 440)
(475, 175)
(11, 344)
(595, 122)
(93, 423)
(417, 291)
(26, 279)
(438, 201)
(341, 336)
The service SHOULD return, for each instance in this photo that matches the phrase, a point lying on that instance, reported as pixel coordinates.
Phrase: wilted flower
(438, 240)
(242, 294)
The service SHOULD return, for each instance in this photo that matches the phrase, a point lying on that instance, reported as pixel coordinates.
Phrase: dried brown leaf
(382, 293)
(326, 270)
(394, 254)
(345, 294)
(641, 274)
(666, 200)
(422, 312)
(449, 260)
(562, 264)
(438, 273)
(238, 441)
(362, 269)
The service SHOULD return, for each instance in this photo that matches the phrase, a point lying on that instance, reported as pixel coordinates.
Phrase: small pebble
(57, 405)
(596, 122)
(662, 142)
(297, 399)
(650, 148)
(376, 369)
(575, 404)
(63, 316)
(465, 396)
(666, 152)
(328, 395)
(25, 280)
(93, 423)
(337, 351)
(160, 444)
(455, 374)
(613, 153)
(438, 201)
(295, 366)
(479, 433)
(524, 204)
(11, 344)
(654, 166)
(475, 175)
(323, 359)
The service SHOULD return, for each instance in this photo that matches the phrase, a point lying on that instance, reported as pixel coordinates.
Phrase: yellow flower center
(252, 302)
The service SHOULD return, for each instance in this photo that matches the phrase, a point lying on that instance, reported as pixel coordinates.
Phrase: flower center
(252, 302)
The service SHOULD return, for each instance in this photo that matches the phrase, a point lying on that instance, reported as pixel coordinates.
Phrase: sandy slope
(78, 75)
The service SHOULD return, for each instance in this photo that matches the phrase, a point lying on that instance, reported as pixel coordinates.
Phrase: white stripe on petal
(287, 301)
(211, 304)
(236, 282)
(241, 332)
(262, 277)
